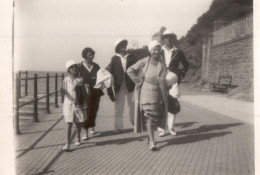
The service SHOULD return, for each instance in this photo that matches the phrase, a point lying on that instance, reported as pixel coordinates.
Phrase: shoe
(161, 134)
(85, 137)
(92, 131)
(77, 142)
(66, 148)
(172, 132)
(152, 146)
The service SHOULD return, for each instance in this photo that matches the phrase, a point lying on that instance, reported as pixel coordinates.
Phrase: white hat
(70, 63)
(152, 44)
(168, 32)
(118, 41)
(171, 78)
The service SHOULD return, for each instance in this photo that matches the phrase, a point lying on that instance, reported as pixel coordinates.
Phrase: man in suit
(123, 85)
(173, 57)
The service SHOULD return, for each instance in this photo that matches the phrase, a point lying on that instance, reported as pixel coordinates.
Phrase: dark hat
(119, 42)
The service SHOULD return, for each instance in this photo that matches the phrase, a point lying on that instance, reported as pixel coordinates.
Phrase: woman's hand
(137, 81)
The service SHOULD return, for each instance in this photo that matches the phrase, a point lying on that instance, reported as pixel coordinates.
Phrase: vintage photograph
(146, 87)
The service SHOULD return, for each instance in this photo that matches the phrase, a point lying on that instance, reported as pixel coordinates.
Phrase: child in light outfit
(74, 108)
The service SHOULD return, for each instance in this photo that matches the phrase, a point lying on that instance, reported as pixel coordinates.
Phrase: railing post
(26, 83)
(16, 106)
(35, 106)
(20, 84)
(47, 93)
(56, 90)
(62, 94)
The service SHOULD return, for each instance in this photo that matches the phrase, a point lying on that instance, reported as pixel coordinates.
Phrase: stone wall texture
(233, 57)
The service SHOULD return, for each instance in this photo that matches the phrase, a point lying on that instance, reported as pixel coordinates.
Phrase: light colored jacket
(137, 73)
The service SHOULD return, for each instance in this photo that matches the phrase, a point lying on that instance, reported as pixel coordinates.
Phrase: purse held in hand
(174, 106)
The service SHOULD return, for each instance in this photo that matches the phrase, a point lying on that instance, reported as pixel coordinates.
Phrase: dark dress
(89, 78)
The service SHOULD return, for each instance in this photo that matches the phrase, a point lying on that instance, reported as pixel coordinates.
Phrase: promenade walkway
(209, 142)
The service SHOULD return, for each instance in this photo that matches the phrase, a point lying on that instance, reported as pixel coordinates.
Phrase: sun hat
(69, 63)
(152, 44)
(168, 32)
(119, 41)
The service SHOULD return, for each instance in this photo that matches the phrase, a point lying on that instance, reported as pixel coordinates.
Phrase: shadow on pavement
(41, 173)
(40, 147)
(111, 133)
(207, 128)
(121, 141)
(191, 138)
(40, 138)
(185, 124)
(41, 131)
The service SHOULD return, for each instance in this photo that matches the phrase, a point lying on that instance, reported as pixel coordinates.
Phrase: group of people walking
(149, 85)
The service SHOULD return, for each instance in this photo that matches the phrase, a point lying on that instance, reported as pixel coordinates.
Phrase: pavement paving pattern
(207, 143)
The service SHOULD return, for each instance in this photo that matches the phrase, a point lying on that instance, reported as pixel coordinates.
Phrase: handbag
(174, 106)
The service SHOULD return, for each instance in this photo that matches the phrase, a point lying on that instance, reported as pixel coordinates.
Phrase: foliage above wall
(224, 10)
(220, 10)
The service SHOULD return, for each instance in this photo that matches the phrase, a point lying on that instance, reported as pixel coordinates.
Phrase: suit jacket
(116, 69)
(177, 58)
(137, 73)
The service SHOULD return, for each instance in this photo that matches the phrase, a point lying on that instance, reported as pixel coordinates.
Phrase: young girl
(74, 109)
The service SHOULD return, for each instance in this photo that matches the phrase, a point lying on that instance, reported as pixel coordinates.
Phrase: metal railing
(20, 73)
(18, 85)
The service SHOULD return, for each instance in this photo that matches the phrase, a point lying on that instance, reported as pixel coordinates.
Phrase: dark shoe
(152, 146)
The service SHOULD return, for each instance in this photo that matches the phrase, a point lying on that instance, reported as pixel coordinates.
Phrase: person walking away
(149, 75)
(123, 85)
(88, 71)
(173, 57)
(75, 102)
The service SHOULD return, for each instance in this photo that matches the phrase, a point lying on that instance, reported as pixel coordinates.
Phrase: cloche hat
(152, 44)
(69, 63)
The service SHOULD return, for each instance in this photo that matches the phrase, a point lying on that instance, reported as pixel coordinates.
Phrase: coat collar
(174, 53)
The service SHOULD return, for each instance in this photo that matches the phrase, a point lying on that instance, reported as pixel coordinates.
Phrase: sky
(50, 32)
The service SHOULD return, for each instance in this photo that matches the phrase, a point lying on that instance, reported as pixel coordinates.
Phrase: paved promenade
(209, 142)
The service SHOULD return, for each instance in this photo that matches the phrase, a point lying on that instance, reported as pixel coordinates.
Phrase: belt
(155, 84)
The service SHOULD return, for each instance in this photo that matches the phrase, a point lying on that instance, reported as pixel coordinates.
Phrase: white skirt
(72, 114)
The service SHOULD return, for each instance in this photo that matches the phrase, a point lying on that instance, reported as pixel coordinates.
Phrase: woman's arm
(134, 73)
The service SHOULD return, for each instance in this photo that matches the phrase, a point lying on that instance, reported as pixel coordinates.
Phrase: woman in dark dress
(88, 71)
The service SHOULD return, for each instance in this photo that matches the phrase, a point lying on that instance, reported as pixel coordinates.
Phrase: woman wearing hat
(88, 71)
(149, 75)
(123, 85)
